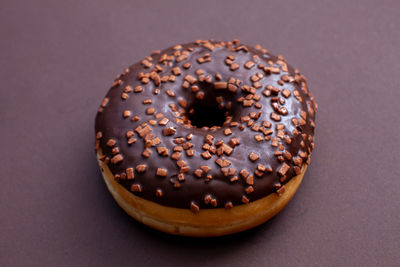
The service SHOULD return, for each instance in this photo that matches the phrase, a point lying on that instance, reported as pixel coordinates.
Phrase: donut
(207, 138)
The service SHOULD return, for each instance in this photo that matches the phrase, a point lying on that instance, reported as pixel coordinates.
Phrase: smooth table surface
(58, 59)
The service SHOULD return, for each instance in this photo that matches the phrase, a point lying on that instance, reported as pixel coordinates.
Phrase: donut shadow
(205, 241)
(169, 242)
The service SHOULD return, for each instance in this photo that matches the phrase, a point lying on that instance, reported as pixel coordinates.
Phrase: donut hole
(201, 115)
(210, 108)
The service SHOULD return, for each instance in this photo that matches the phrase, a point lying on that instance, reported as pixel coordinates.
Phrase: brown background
(58, 59)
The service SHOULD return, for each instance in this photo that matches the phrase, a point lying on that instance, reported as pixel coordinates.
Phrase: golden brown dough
(206, 223)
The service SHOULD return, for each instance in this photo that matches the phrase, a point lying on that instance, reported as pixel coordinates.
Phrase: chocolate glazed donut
(195, 134)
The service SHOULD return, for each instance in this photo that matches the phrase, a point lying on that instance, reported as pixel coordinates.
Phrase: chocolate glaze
(110, 124)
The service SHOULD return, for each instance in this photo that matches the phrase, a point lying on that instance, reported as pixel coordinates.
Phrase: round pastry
(206, 138)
